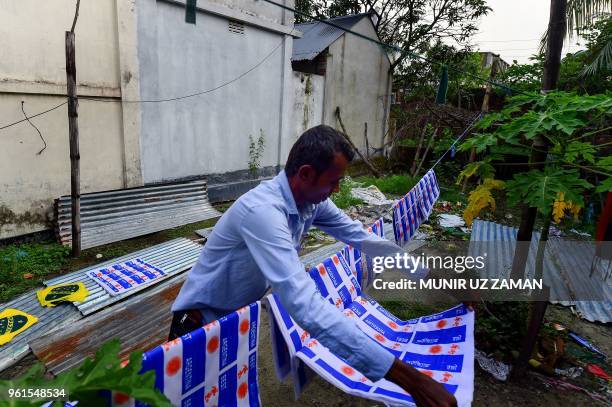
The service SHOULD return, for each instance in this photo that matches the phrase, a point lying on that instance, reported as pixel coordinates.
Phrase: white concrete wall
(32, 69)
(209, 133)
(357, 79)
(307, 102)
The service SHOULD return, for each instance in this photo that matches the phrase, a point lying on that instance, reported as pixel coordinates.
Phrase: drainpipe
(386, 109)
(281, 119)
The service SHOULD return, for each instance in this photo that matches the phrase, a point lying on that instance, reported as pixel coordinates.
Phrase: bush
(391, 184)
(343, 199)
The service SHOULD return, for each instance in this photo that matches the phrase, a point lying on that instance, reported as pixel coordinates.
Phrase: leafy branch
(562, 119)
(85, 382)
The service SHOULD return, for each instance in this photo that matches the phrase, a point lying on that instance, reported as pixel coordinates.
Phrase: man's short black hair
(317, 147)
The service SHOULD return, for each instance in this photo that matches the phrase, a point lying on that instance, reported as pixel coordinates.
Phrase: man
(255, 245)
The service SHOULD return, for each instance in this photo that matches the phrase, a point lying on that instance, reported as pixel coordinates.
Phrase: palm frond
(580, 13)
(601, 62)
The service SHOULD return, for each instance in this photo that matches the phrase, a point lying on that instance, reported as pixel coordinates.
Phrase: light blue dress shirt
(255, 245)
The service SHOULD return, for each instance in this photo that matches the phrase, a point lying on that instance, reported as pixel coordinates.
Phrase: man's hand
(425, 391)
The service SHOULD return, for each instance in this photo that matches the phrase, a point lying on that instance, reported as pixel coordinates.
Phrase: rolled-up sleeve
(268, 237)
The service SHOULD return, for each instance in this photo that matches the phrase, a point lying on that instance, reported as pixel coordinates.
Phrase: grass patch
(343, 198)
(406, 310)
(391, 184)
(25, 266)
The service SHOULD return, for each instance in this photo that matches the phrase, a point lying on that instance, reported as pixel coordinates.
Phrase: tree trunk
(552, 64)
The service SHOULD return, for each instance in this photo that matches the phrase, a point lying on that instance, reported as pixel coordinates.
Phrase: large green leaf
(479, 141)
(605, 186)
(539, 189)
(577, 149)
(85, 382)
(605, 163)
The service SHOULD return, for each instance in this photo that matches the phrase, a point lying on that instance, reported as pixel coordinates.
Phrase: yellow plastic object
(13, 322)
(54, 294)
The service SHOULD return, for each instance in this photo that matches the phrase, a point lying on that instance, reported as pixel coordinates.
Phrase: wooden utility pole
(552, 64)
(73, 136)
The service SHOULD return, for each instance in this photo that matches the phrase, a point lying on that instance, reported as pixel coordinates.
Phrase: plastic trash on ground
(371, 195)
(450, 221)
(497, 369)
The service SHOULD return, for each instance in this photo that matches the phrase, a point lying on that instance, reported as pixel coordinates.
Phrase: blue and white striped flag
(415, 207)
(212, 366)
(356, 261)
(440, 346)
(121, 277)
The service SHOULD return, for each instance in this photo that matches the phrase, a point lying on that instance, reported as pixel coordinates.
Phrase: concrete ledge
(231, 190)
(228, 186)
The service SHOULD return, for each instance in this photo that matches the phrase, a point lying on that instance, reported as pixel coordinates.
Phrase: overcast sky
(513, 29)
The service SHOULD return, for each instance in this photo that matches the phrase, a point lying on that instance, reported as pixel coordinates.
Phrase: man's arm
(332, 220)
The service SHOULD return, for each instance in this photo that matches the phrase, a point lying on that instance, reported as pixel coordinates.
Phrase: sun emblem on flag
(435, 349)
(173, 366)
(244, 327)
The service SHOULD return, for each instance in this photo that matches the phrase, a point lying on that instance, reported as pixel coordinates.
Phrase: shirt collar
(306, 211)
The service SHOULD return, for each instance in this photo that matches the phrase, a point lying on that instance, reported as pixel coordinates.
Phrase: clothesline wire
(245, 73)
(465, 132)
(159, 100)
(35, 115)
(417, 190)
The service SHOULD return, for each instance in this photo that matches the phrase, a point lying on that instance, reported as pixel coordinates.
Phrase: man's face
(317, 189)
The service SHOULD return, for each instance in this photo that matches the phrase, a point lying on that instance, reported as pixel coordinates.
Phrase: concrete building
(343, 71)
(487, 60)
(159, 99)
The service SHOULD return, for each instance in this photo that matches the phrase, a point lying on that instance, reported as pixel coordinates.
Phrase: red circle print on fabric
(435, 349)
(213, 344)
(243, 389)
(173, 366)
(244, 327)
(347, 370)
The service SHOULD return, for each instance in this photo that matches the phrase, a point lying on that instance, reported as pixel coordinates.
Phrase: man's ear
(307, 174)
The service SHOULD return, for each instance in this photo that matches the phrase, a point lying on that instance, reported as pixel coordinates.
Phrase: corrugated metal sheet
(317, 36)
(111, 216)
(173, 257)
(48, 319)
(140, 323)
(566, 267)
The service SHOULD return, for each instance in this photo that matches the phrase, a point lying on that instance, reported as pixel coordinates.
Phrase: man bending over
(255, 245)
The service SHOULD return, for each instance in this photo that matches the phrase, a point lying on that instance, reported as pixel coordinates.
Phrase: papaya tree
(577, 129)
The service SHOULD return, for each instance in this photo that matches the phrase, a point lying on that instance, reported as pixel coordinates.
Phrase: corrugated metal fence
(111, 216)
